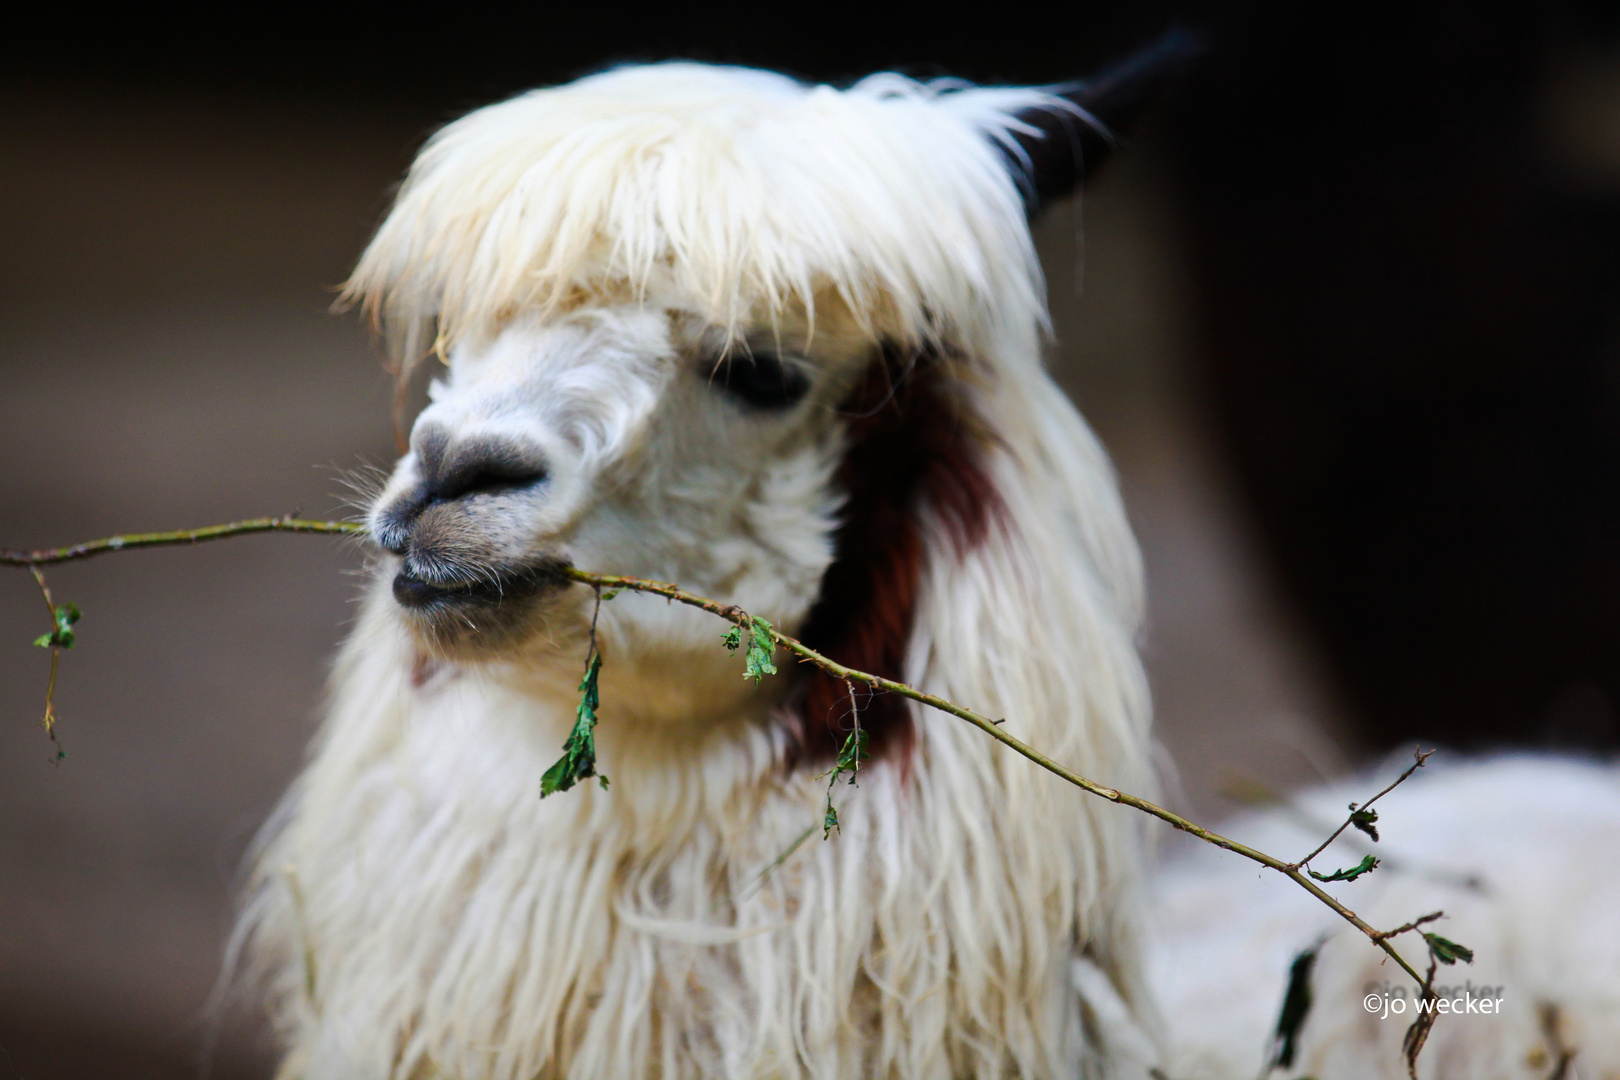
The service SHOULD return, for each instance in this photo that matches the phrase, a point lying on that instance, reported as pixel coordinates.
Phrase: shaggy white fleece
(739, 193)
(1520, 854)
(419, 912)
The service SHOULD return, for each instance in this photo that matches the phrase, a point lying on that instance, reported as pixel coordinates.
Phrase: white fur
(1539, 836)
(738, 193)
(578, 253)
(580, 257)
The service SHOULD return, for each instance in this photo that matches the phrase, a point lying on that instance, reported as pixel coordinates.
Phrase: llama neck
(481, 735)
(690, 920)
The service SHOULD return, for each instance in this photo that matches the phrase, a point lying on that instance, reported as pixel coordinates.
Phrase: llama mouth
(492, 589)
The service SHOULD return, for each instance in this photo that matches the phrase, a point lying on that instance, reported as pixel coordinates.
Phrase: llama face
(626, 439)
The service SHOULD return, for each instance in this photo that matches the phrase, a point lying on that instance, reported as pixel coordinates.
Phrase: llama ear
(1054, 149)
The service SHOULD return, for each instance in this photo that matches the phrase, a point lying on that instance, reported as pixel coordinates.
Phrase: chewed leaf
(758, 661)
(761, 649)
(850, 756)
(579, 750)
(1365, 866)
(1364, 820)
(1448, 952)
(61, 637)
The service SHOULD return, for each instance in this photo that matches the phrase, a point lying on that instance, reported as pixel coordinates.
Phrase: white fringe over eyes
(732, 193)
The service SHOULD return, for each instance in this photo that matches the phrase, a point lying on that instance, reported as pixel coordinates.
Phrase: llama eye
(760, 381)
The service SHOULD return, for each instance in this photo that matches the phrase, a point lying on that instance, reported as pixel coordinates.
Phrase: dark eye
(760, 380)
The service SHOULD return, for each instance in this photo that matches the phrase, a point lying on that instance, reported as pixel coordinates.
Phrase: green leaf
(759, 661)
(1365, 866)
(611, 593)
(62, 637)
(850, 756)
(1296, 1007)
(1363, 820)
(761, 648)
(1448, 952)
(579, 750)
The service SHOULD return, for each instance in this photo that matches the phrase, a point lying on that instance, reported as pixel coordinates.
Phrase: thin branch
(855, 718)
(285, 523)
(1255, 793)
(775, 864)
(1413, 925)
(740, 617)
(596, 613)
(736, 615)
(1420, 755)
(37, 558)
(45, 591)
(1423, 1022)
(49, 723)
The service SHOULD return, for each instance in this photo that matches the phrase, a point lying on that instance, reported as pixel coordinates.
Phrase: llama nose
(452, 472)
(492, 469)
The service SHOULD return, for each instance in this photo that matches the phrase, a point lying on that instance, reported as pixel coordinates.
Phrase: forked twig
(1420, 757)
(1413, 925)
(53, 641)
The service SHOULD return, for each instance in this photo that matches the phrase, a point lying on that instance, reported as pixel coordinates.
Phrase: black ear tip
(1067, 145)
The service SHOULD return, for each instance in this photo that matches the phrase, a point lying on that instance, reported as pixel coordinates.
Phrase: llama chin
(779, 344)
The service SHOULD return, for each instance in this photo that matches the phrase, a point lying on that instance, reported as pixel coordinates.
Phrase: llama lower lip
(498, 586)
(413, 592)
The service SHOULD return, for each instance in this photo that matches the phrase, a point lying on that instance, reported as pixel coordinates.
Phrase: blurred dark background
(1344, 310)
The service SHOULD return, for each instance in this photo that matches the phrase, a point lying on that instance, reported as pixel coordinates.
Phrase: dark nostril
(483, 466)
(484, 479)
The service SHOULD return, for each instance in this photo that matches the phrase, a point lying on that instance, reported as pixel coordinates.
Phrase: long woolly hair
(419, 913)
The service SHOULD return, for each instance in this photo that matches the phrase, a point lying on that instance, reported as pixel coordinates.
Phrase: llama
(1517, 852)
(779, 344)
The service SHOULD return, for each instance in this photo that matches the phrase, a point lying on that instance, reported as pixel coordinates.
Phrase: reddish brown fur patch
(916, 453)
(425, 670)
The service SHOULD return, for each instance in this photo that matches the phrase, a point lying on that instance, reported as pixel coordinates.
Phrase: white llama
(1518, 851)
(781, 345)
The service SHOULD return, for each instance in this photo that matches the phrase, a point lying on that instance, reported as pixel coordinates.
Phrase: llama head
(714, 327)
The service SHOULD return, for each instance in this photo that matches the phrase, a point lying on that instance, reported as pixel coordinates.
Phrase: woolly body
(585, 257)
(1517, 852)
